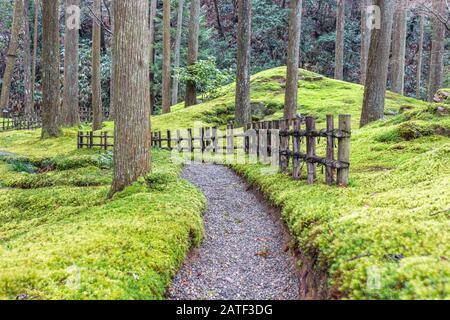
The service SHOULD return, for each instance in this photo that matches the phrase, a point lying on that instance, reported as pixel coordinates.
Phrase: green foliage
(21, 166)
(207, 77)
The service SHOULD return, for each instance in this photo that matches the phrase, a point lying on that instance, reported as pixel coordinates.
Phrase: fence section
(287, 145)
(21, 122)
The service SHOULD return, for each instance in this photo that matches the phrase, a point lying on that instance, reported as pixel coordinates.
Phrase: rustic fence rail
(92, 140)
(20, 122)
(285, 144)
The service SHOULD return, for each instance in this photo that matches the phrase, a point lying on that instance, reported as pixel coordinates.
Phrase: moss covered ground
(386, 236)
(62, 238)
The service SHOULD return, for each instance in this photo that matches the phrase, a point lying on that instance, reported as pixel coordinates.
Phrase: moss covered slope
(61, 238)
(392, 223)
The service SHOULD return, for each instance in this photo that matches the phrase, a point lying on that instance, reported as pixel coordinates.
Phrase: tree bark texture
(35, 45)
(70, 109)
(378, 64)
(11, 54)
(153, 7)
(97, 109)
(399, 49)
(437, 51)
(132, 125)
(166, 71)
(194, 27)
(293, 58)
(27, 59)
(420, 56)
(50, 70)
(340, 33)
(176, 63)
(365, 39)
(243, 108)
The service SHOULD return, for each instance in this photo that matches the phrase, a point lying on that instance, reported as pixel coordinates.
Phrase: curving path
(244, 254)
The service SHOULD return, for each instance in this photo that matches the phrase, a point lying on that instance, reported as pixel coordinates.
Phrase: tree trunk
(113, 57)
(437, 52)
(295, 18)
(176, 64)
(243, 109)
(153, 7)
(365, 39)
(27, 60)
(340, 33)
(194, 27)
(166, 74)
(35, 44)
(70, 109)
(420, 57)
(50, 69)
(219, 23)
(132, 125)
(97, 109)
(11, 55)
(399, 49)
(378, 64)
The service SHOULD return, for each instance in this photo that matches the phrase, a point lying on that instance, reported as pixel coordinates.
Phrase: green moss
(128, 247)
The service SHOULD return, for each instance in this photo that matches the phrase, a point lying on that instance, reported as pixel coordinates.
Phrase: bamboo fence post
(344, 150)
(215, 141)
(330, 150)
(190, 142)
(179, 149)
(296, 150)
(91, 139)
(159, 140)
(311, 149)
(169, 140)
(284, 145)
(106, 140)
(275, 144)
(230, 140)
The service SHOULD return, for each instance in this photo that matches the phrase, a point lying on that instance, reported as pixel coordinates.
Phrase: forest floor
(386, 236)
(245, 253)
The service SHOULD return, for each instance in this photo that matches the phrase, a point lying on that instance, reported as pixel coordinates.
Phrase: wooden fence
(287, 144)
(92, 140)
(21, 122)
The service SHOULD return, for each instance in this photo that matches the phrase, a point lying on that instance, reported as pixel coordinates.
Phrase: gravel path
(244, 254)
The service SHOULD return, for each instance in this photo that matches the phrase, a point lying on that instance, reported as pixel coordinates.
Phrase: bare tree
(176, 64)
(70, 109)
(340, 33)
(295, 18)
(11, 54)
(243, 108)
(132, 125)
(50, 70)
(194, 27)
(97, 109)
(378, 63)
(399, 48)
(166, 74)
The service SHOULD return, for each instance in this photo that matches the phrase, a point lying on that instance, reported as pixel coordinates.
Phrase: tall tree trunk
(27, 60)
(340, 33)
(113, 57)
(399, 49)
(132, 129)
(365, 39)
(35, 44)
(50, 70)
(70, 110)
(176, 64)
(437, 52)
(378, 64)
(295, 18)
(153, 8)
(420, 56)
(11, 55)
(166, 74)
(97, 108)
(243, 108)
(194, 27)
